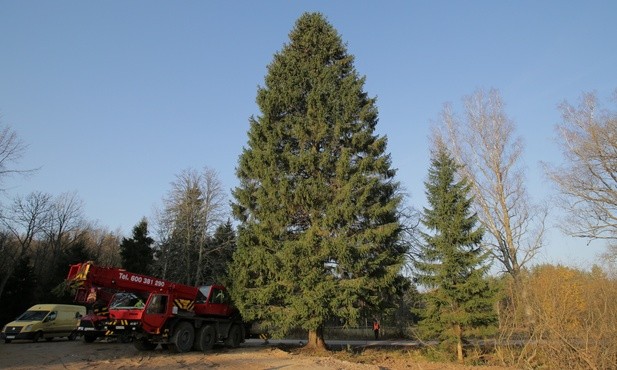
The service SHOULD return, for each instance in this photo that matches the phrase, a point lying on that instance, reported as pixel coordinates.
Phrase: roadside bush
(572, 323)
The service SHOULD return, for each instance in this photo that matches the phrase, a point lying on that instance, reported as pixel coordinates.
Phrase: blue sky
(115, 98)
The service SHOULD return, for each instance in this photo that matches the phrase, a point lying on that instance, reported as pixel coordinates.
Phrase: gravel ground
(63, 354)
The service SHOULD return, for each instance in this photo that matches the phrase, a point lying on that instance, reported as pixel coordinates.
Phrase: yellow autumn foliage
(557, 297)
(572, 317)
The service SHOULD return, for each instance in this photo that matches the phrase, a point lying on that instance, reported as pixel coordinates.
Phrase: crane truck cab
(45, 321)
(184, 324)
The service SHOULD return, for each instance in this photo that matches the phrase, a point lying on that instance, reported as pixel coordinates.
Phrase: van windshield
(33, 316)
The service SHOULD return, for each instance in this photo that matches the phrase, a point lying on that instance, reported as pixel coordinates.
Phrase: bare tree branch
(587, 180)
(12, 149)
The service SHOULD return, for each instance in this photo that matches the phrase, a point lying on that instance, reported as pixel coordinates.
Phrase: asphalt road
(335, 343)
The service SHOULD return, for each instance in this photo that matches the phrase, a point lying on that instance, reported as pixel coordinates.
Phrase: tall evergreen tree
(136, 252)
(452, 265)
(317, 200)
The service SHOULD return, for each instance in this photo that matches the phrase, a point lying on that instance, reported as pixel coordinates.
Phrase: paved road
(336, 343)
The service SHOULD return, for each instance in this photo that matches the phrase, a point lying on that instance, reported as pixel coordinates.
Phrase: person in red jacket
(376, 328)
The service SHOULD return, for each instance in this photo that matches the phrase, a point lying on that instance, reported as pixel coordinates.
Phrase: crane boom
(87, 275)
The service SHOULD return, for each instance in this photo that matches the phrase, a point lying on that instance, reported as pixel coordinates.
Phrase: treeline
(41, 235)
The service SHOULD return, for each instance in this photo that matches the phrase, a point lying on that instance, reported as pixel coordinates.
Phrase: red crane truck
(177, 316)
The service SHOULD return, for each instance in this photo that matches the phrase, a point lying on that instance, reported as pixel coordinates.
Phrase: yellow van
(45, 321)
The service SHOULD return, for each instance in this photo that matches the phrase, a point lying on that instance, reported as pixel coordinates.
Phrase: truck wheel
(235, 336)
(204, 338)
(89, 338)
(143, 344)
(8, 340)
(182, 338)
(50, 339)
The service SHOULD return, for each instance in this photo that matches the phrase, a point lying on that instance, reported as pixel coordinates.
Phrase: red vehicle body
(92, 325)
(178, 316)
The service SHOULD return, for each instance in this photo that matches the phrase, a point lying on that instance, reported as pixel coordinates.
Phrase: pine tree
(452, 264)
(136, 252)
(317, 200)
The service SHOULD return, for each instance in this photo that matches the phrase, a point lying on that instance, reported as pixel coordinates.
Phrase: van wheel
(205, 338)
(182, 338)
(37, 336)
(235, 336)
(49, 339)
(8, 340)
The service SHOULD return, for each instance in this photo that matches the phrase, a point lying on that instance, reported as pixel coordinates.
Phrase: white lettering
(141, 280)
(137, 279)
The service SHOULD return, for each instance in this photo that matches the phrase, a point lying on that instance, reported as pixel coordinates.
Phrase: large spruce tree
(452, 264)
(317, 200)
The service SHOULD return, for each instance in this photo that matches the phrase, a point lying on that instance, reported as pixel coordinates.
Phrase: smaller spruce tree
(452, 265)
(136, 252)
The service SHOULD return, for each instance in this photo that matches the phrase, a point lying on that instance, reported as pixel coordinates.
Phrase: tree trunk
(458, 331)
(5, 279)
(315, 340)
(521, 300)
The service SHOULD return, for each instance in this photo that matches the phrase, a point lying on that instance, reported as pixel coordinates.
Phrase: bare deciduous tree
(102, 244)
(484, 142)
(25, 220)
(63, 229)
(587, 180)
(12, 149)
(194, 208)
(409, 218)
(213, 213)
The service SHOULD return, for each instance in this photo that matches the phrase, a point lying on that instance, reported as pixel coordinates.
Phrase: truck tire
(235, 336)
(182, 337)
(204, 338)
(89, 338)
(143, 344)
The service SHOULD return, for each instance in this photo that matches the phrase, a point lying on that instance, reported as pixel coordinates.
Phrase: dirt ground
(76, 355)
